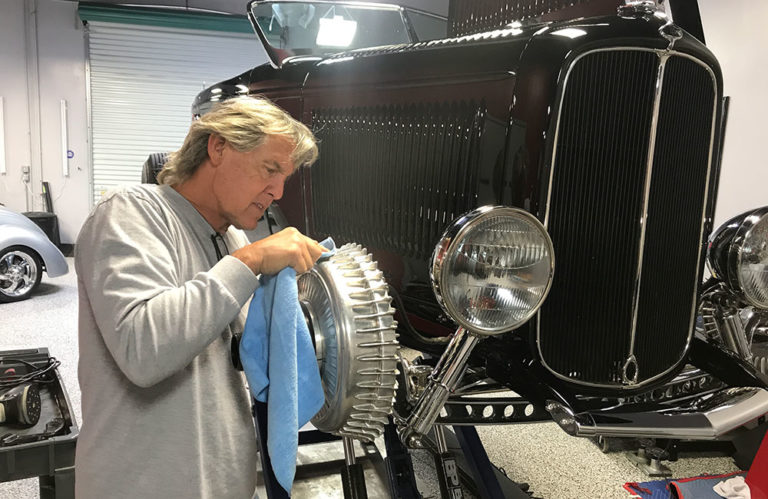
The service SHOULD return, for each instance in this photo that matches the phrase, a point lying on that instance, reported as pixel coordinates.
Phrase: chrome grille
(598, 312)
(675, 212)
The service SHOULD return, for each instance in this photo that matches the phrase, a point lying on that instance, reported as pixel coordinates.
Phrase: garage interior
(78, 113)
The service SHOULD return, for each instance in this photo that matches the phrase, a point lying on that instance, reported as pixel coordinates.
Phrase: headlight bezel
(453, 236)
(735, 250)
(725, 248)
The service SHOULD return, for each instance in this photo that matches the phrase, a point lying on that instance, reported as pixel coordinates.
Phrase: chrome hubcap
(18, 273)
(346, 302)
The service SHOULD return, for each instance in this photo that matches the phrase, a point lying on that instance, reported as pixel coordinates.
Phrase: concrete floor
(554, 464)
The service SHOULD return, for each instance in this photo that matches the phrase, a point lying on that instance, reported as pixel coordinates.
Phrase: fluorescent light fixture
(336, 32)
(570, 32)
(3, 171)
(64, 140)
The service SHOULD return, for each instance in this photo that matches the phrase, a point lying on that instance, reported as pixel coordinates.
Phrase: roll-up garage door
(143, 80)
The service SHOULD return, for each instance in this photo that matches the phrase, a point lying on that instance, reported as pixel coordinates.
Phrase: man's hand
(287, 248)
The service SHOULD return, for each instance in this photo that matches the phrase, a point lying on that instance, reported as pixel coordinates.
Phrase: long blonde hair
(244, 122)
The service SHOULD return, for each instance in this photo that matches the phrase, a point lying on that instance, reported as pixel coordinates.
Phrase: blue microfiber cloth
(328, 243)
(280, 365)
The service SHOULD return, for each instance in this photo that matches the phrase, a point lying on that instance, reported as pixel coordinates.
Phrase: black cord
(215, 238)
(400, 306)
(269, 220)
(38, 375)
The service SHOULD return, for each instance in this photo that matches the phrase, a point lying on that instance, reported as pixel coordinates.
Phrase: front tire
(20, 273)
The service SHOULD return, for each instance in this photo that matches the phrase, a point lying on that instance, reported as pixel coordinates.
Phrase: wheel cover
(18, 273)
(346, 302)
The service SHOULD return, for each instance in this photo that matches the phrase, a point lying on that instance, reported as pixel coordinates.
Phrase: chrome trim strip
(660, 53)
(646, 198)
(694, 306)
(720, 412)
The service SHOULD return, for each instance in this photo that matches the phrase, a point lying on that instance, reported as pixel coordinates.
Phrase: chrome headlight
(738, 255)
(493, 268)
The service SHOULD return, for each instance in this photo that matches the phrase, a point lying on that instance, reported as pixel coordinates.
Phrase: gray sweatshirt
(165, 415)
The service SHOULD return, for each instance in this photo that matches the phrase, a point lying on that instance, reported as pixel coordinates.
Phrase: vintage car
(532, 188)
(25, 252)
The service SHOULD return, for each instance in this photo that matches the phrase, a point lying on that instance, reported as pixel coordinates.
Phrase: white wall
(42, 56)
(13, 89)
(735, 33)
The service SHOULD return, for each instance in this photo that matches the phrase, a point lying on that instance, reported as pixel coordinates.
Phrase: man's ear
(216, 145)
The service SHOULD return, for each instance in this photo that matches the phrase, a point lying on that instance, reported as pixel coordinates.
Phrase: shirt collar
(197, 224)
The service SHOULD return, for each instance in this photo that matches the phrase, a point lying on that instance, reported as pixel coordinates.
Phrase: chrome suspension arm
(442, 382)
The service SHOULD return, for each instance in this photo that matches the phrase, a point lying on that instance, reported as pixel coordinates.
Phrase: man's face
(245, 184)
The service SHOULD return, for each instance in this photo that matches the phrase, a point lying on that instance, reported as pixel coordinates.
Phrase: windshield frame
(277, 56)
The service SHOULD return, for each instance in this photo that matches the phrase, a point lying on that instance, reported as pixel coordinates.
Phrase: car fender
(54, 261)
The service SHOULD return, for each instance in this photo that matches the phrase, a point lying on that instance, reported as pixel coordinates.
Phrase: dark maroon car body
(583, 117)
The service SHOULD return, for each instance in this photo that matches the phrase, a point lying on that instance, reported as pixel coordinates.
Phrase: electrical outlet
(25, 169)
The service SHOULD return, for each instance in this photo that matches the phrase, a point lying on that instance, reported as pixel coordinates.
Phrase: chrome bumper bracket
(708, 417)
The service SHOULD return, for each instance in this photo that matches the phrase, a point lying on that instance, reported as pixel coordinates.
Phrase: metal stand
(447, 470)
(469, 465)
(402, 481)
(478, 462)
(649, 459)
(475, 470)
(274, 489)
(352, 477)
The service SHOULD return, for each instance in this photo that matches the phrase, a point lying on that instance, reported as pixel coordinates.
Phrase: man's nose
(275, 189)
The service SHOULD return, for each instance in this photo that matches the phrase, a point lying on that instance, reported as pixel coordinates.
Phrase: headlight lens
(493, 268)
(750, 251)
(738, 255)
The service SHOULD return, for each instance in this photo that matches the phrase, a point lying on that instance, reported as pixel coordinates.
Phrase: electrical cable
(38, 375)
(405, 321)
(66, 179)
(26, 184)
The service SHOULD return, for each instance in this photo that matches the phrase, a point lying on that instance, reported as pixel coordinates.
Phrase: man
(164, 412)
